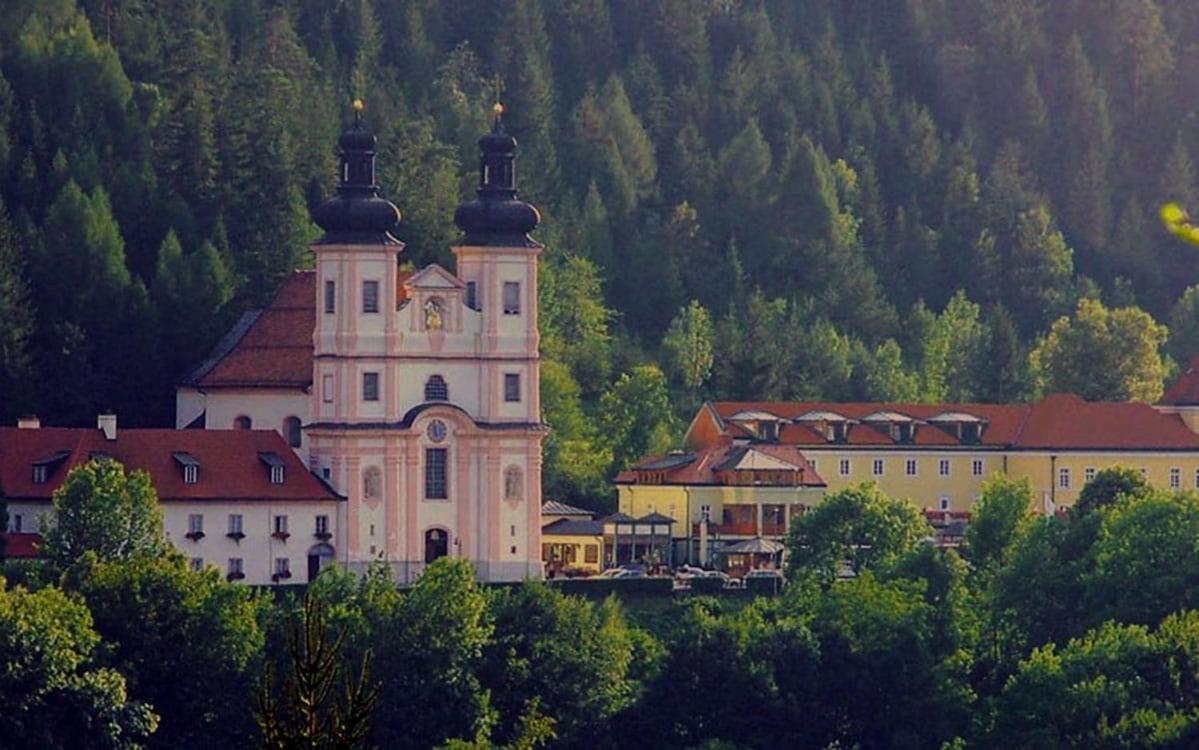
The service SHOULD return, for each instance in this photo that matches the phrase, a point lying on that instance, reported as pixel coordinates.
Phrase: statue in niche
(433, 314)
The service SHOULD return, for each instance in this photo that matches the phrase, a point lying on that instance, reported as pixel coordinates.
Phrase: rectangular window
(18, 523)
(844, 467)
(370, 386)
(197, 563)
(909, 467)
(944, 502)
(1088, 474)
(191, 474)
(512, 530)
(591, 553)
(878, 467)
(512, 298)
(234, 523)
(472, 293)
(280, 524)
(976, 467)
(1063, 479)
(277, 474)
(812, 461)
(330, 297)
(705, 513)
(511, 386)
(513, 549)
(322, 525)
(943, 467)
(282, 567)
(326, 473)
(436, 484)
(370, 296)
(195, 524)
(39, 474)
(1175, 478)
(235, 566)
(327, 388)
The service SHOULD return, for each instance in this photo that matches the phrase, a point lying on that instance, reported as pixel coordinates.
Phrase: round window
(436, 431)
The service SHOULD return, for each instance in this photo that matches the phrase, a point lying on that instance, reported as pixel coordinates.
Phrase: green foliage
(101, 509)
(858, 526)
(575, 459)
(1103, 354)
(306, 713)
(636, 417)
(688, 346)
(163, 622)
(1108, 486)
(55, 693)
(1110, 688)
(1001, 516)
(566, 655)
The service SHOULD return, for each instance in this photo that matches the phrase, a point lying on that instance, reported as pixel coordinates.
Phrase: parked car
(624, 572)
(766, 573)
(689, 571)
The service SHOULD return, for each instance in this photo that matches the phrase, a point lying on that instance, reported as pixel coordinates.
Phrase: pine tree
(16, 325)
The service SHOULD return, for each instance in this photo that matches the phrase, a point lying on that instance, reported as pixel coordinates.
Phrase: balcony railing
(742, 528)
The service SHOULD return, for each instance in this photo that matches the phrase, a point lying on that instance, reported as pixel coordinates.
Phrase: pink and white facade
(422, 406)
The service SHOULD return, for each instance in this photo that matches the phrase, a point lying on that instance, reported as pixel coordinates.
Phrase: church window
(370, 296)
(512, 298)
(436, 478)
(372, 483)
(514, 484)
(243, 422)
(511, 386)
(370, 386)
(472, 294)
(330, 297)
(292, 431)
(436, 389)
(327, 388)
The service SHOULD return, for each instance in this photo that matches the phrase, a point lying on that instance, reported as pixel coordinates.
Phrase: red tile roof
(1056, 422)
(272, 347)
(700, 467)
(1185, 390)
(229, 464)
(21, 546)
(269, 348)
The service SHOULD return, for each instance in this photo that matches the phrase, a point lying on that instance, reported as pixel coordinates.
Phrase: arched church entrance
(320, 556)
(437, 543)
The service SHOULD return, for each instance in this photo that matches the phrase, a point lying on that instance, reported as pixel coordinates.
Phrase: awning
(755, 546)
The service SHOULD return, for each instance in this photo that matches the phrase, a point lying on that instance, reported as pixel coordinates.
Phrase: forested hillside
(755, 199)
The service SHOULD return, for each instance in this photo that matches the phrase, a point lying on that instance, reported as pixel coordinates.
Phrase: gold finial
(498, 109)
(359, 105)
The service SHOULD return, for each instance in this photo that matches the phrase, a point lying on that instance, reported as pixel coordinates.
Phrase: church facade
(414, 395)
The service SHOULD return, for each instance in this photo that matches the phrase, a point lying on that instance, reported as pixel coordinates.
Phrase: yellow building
(937, 455)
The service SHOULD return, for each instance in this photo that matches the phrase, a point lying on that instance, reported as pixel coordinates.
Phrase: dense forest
(1039, 632)
(917, 200)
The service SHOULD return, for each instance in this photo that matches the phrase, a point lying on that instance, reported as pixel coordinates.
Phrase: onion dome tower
(496, 217)
(357, 214)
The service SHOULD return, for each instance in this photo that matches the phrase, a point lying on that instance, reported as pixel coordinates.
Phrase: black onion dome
(357, 214)
(496, 217)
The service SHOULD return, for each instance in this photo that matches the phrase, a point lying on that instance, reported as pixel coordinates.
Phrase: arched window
(292, 431)
(372, 483)
(514, 484)
(436, 389)
(243, 423)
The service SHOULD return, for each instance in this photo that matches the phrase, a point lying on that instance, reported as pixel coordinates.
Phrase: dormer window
(274, 464)
(43, 468)
(190, 466)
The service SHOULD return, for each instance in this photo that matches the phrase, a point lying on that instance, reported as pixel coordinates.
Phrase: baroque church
(413, 395)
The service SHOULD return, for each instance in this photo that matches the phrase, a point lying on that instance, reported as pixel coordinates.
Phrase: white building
(414, 395)
(239, 500)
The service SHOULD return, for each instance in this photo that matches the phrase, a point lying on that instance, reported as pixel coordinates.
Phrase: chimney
(28, 422)
(108, 425)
